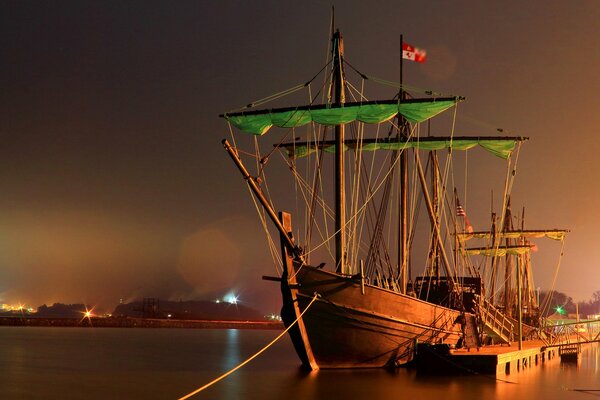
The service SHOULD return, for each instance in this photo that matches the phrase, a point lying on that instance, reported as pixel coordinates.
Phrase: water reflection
(590, 358)
(550, 380)
(380, 383)
(232, 385)
(231, 355)
(555, 379)
(166, 364)
(573, 364)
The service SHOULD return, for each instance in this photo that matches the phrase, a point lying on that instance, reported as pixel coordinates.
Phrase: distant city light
(16, 307)
(560, 310)
(274, 317)
(88, 313)
(231, 298)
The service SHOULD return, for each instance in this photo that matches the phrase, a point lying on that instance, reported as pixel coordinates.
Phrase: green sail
(497, 252)
(500, 147)
(554, 234)
(258, 123)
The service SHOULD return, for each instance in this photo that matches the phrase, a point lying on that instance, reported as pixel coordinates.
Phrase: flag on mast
(460, 212)
(410, 52)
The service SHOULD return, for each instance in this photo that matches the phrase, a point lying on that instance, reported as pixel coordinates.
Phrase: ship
(384, 170)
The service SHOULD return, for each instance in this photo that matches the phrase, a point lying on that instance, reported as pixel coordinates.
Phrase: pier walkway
(504, 359)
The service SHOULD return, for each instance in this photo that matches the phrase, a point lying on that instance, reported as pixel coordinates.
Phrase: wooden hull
(345, 328)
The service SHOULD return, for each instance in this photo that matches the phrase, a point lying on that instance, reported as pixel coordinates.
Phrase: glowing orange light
(88, 313)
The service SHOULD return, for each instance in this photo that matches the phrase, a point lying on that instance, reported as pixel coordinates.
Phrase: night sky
(113, 182)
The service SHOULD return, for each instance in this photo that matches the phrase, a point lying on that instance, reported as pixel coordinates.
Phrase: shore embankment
(132, 322)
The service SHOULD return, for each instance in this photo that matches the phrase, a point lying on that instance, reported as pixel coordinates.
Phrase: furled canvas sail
(497, 251)
(373, 112)
(499, 146)
(554, 234)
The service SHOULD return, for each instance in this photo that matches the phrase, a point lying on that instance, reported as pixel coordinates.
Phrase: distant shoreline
(131, 322)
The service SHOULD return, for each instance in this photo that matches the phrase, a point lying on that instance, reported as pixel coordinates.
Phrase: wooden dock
(497, 360)
(569, 352)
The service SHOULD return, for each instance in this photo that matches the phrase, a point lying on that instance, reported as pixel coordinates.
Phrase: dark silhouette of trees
(554, 299)
(591, 307)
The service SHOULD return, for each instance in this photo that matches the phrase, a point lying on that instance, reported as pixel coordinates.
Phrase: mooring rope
(187, 396)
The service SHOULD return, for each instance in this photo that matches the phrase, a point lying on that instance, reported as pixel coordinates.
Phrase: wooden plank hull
(345, 328)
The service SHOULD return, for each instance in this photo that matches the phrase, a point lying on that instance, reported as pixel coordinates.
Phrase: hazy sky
(113, 182)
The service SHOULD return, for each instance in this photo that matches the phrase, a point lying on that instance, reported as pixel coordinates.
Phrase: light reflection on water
(232, 349)
(107, 363)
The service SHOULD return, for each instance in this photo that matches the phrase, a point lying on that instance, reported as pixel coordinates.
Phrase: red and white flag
(460, 212)
(410, 52)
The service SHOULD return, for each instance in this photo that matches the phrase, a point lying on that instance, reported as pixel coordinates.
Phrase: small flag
(468, 226)
(460, 212)
(410, 52)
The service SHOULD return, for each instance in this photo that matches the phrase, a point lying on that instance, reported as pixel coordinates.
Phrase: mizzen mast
(404, 129)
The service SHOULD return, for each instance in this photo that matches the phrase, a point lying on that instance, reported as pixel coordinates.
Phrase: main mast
(340, 201)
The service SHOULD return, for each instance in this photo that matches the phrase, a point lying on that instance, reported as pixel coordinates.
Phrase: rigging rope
(275, 256)
(404, 86)
(370, 197)
(269, 98)
(280, 94)
(231, 371)
(307, 191)
(377, 218)
(510, 178)
(261, 214)
(548, 298)
(260, 168)
(309, 216)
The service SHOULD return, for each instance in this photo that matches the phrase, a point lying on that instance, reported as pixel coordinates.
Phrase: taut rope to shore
(226, 374)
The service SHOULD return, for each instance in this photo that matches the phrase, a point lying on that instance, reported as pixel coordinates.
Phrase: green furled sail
(498, 146)
(497, 251)
(372, 112)
(554, 234)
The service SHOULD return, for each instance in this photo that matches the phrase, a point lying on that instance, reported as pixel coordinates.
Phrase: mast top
(338, 43)
(338, 77)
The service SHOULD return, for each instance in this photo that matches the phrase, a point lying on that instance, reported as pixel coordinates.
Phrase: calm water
(107, 363)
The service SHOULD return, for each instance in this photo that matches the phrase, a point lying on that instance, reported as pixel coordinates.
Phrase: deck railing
(495, 321)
